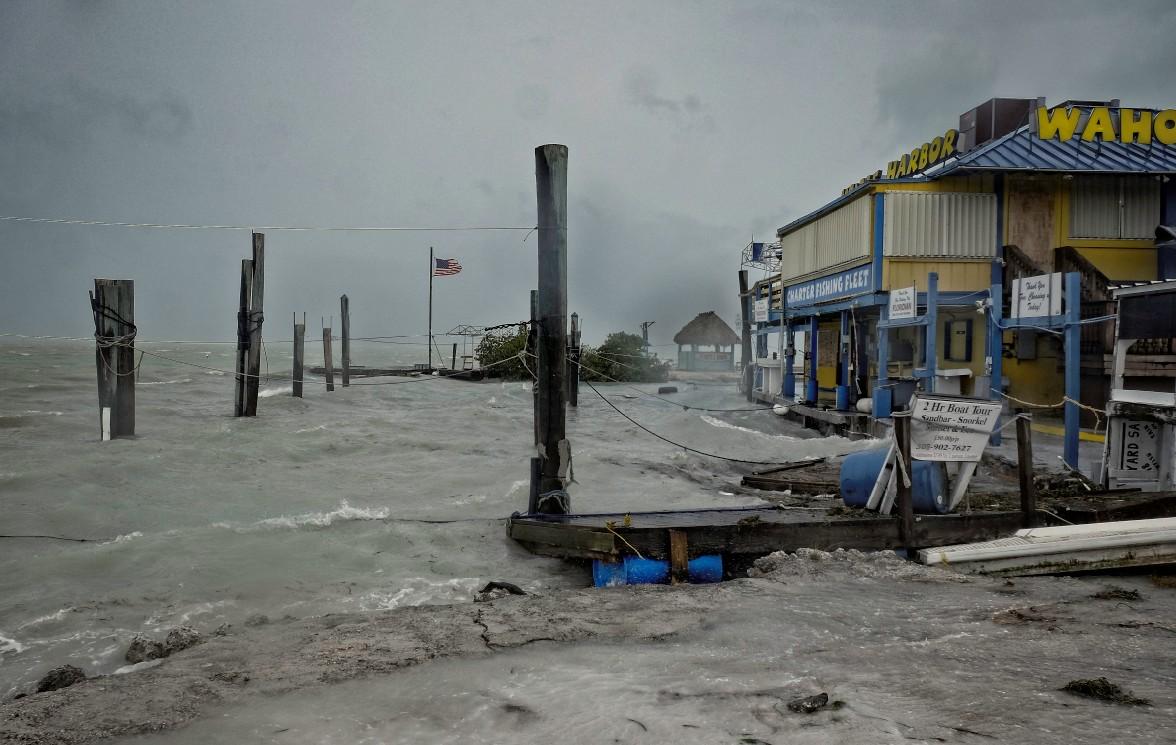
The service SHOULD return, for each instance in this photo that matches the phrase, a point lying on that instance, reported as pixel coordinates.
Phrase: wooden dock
(748, 531)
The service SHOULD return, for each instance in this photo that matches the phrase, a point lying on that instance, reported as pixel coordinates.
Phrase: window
(1114, 207)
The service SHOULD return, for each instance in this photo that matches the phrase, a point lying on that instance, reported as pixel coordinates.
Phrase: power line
(663, 438)
(266, 228)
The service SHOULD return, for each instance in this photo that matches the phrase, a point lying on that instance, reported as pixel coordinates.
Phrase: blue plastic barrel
(634, 571)
(859, 471)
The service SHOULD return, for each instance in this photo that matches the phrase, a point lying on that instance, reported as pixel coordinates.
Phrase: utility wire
(663, 438)
(267, 228)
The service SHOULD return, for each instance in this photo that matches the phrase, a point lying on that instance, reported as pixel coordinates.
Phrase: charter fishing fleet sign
(951, 428)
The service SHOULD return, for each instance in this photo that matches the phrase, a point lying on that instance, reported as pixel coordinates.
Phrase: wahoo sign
(856, 281)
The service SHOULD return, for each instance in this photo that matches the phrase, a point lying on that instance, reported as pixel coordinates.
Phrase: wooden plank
(1025, 472)
(758, 537)
(557, 536)
(797, 486)
(906, 494)
(679, 573)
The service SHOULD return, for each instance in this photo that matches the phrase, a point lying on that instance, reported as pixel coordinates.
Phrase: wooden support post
(532, 351)
(256, 293)
(299, 353)
(745, 329)
(1025, 471)
(551, 182)
(679, 561)
(241, 392)
(345, 308)
(453, 358)
(574, 363)
(330, 371)
(533, 494)
(905, 495)
(113, 305)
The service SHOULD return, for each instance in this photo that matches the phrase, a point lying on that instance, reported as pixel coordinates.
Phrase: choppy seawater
(370, 497)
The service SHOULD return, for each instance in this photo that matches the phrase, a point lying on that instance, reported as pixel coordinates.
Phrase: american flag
(445, 267)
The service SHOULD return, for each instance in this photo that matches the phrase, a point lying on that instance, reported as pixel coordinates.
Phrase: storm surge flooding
(389, 493)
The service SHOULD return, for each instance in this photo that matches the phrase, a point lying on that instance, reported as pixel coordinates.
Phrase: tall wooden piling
(573, 376)
(1025, 470)
(327, 368)
(113, 306)
(551, 182)
(745, 333)
(256, 294)
(241, 392)
(299, 353)
(905, 494)
(531, 354)
(345, 308)
(453, 358)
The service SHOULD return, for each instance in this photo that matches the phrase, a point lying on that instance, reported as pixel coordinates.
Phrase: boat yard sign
(952, 428)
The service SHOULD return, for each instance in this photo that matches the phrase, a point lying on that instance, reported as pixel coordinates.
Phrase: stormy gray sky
(691, 127)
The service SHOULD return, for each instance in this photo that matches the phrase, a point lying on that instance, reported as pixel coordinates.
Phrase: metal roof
(1021, 150)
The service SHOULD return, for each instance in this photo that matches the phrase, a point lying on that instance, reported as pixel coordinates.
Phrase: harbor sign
(952, 428)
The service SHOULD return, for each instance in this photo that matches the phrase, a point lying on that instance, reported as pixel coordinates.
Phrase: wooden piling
(453, 358)
(551, 182)
(532, 351)
(330, 371)
(113, 306)
(745, 335)
(679, 560)
(345, 308)
(241, 392)
(533, 493)
(256, 293)
(1025, 470)
(574, 362)
(905, 492)
(299, 353)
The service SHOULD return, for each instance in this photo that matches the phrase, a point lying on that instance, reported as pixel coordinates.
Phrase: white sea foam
(10, 645)
(269, 392)
(310, 429)
(420, 591)
(714, 422)
(166, 382)
(215, 372)
(343, 513)
(54, 616)
(43, 413)
(145, 665)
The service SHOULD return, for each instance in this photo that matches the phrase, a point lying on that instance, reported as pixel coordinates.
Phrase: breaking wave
(343, 513)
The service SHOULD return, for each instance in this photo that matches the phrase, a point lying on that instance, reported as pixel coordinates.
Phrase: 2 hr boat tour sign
(848, 283)
(951, 428)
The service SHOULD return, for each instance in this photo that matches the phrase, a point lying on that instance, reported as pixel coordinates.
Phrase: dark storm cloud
(692, 128)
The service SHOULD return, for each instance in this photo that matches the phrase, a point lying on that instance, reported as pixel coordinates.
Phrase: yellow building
(1018, 190)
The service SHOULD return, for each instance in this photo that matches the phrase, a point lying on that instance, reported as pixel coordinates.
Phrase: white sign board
(1037, 297)
(1137, 447)
(761, 310)
(952, 428)
(903, 303)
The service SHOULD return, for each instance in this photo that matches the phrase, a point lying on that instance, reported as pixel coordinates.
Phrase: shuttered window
(1114, 207)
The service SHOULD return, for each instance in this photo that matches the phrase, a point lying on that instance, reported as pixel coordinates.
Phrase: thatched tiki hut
(706, 330)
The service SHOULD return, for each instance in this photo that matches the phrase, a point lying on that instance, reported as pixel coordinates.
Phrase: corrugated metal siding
(1113, 207)
(952, 225)
(837, 238)
(1094, 207)
(1141, 207)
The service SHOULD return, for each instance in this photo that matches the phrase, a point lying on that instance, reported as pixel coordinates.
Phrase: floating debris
(1103, 690)
(1117, 593)
(809, 704)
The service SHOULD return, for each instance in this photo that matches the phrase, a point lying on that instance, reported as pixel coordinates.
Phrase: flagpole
(432, 264)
